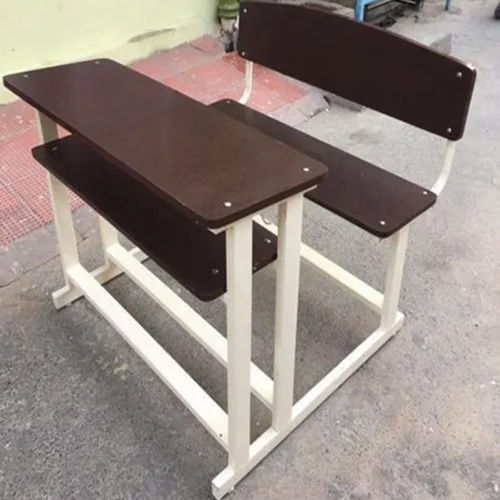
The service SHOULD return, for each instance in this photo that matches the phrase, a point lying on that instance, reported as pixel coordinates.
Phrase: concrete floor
(82, 417)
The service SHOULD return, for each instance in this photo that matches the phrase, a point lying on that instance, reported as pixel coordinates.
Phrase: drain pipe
(227, 11)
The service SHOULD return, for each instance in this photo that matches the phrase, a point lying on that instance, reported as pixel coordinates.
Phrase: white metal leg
(239, 331)
(63, 223)
(58, 192)
(391, 321)
(397, 252)
(47, 128)
(47, 131)
(68, 247)
(446, 170)
(109, 237)
(287, 289)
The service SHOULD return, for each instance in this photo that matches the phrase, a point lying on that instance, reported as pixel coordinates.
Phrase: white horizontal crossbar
(262, 446)
(66, 295)
(357, 287)
(187, 317)
(204, 408)
(336, 377)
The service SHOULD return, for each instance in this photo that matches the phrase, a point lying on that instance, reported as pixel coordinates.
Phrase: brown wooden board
(212, 168)
(193, 255)
(362, 63)
(356, 190)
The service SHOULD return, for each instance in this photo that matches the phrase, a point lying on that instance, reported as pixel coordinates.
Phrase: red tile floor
(199, 69)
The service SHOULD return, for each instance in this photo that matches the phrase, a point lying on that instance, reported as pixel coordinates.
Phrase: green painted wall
(36, 33)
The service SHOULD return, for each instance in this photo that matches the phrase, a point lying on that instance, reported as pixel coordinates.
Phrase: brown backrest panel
(362, 63)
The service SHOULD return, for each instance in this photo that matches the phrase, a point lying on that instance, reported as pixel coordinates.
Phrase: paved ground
(82, 417)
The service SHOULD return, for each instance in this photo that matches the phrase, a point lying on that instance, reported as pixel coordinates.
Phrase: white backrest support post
(248, 83)
(445, 172)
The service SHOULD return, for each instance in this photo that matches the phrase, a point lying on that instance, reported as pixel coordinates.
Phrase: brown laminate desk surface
(213, 168)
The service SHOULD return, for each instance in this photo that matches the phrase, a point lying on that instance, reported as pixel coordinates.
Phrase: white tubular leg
(47, 129)
(248, 83)
(109, 237)
(397, 251)
(64, 224)
(239, 331)
(287, 289)
(63, 221)
(445, 172)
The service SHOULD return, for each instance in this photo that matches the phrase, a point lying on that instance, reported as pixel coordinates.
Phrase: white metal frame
(231, 429)
(441, 181)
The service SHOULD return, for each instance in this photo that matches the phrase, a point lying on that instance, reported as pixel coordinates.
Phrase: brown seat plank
(355, 189)
(194, 158)
(365, 64)
(193, 255)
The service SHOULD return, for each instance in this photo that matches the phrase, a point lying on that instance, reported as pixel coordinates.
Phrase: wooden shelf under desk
(189, 252)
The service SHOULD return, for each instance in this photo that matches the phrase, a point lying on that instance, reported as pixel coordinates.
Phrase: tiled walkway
(199, 69)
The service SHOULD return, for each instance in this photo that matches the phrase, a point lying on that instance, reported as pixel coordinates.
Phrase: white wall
(36, 33)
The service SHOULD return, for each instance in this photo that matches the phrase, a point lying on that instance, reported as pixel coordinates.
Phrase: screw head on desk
(267, 240)
(382, 223)
(215, 271)
(245, 11)
(53, 148)
(449, 130)
(306, 169)
(228, 204)
(459, 74)
(243, 53)
(26, 76)
(97, 62)
(425, 192)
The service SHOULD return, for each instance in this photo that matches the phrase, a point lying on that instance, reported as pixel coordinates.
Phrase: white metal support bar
(187, 317)
(206, 410)
(336, 377)
(248, 83)
(239, 331)
(63, 222)
(109, 237)
(47, 128)
(352, 284)
(287, 290)
(398, 243)
(447, 164)
(102, 274)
